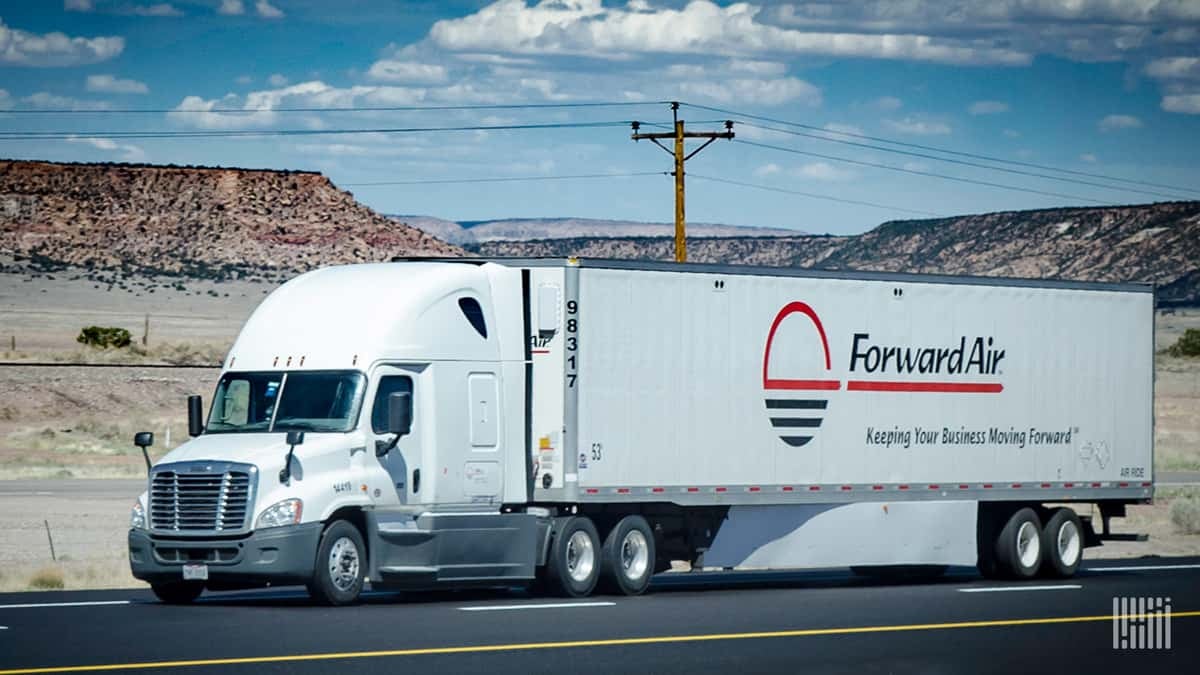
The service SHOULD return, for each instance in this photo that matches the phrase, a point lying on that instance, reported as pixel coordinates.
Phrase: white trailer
(567, 422)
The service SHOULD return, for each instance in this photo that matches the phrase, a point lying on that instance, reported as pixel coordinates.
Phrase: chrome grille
(200, 498)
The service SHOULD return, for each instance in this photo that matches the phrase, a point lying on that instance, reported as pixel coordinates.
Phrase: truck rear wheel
(1062, 543)
(573, 566)
(627, 560)
(177, 592)
(1019, 545)
(338, 574)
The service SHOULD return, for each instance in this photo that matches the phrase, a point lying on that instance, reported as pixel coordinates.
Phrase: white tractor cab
(360, 428)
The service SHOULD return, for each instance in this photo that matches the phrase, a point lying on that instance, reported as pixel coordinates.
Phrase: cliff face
(1158, 243)
(207, 222)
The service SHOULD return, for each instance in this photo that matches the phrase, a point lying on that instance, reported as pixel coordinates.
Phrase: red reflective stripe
(539, 351)
(846, 488)
(934, 487)
(592, 491)
(1016, 485)
(987, 486)
(1095, 485)
(814, 488)
(622, 491)
(823, 385)
(964, 486)
(693, 489)
(720, 489)
(934, 387)
(876, 487)
(1123, 484)
(755, 489)
(1045, 485)
(1147, 484)
(787, 488)
(1068, 485)
(903, 487)
(656, 489)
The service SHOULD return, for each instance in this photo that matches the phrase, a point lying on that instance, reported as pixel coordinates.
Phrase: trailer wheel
(1062, 541)
(573, 567)
(627, 560)
(1019, 546)
(177, 592)
(338, 574)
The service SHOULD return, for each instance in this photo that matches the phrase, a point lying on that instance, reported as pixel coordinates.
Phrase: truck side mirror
(399, 417)
(295, 437)
(195, 416)
(144, 439)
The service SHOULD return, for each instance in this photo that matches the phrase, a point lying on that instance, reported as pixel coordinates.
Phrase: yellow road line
(614, 642)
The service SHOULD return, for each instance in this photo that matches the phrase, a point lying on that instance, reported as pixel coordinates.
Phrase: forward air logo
(797, 370)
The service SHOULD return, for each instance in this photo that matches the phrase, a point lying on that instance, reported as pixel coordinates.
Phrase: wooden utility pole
(678, 135)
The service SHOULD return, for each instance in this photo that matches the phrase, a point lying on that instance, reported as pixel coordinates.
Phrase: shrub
(1188, 344)
(1185, 513)
(47, 578)
(104, 337)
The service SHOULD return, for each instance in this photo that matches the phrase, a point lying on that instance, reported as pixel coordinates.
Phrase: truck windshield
(278, 401)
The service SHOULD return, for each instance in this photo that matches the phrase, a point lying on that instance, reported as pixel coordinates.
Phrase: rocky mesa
(193, 221)
(1157, 243)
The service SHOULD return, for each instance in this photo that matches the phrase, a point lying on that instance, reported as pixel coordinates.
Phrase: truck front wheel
(573, 566)
(177, 592)
(338, 577)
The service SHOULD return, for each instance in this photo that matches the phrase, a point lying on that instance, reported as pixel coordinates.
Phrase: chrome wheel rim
(1068, 543)
(1029, 547)
(635, 555)
(343, 564)
(581, 556)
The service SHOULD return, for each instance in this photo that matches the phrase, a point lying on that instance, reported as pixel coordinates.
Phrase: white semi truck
(566, 423)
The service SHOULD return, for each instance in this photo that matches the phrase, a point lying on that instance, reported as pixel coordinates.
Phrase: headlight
(286, 512)
(137, 517)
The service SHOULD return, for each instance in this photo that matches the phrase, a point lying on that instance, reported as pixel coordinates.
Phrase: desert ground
(70, 422)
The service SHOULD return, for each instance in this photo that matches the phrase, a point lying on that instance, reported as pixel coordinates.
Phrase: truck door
(403, 463)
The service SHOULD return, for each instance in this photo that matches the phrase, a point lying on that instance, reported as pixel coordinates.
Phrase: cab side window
(388, 385)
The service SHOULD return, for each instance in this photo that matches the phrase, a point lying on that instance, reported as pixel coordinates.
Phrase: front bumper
(277, 555)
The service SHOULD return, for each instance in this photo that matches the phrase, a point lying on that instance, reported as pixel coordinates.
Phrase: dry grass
(47, 579)
(1185, 514)
(173, 353)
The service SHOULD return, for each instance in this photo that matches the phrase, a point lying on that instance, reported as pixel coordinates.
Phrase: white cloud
(761, 92)
(823, 171)
(1011, 133)
(78, 5)
(21, 48)
(243, 79)
(918, 126)
(987, 107)
(6, 100)
(837, 128)
(43, 100)
(267, 11)
(161, 9)
(1180, 67)
(110, 84)
(1182, 103)
(586, 27)
(1117, 122)
(1088, 157)
(129, 153)
(769, 169)
(231, 8)
(887, 103)
(392, 70)
(277, 80)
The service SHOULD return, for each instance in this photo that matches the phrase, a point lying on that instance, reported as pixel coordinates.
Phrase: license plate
(195, 572)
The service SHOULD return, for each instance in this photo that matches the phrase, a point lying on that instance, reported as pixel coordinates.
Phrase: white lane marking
(67, 604)
(555, 605)
(1141, 568)
(1001, 589)
(3, 627)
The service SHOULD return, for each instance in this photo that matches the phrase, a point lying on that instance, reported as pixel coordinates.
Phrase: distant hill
(192, 221)
(1157, 243)
(523, 229)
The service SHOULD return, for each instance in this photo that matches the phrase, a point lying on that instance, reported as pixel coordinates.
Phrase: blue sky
(1105, 87)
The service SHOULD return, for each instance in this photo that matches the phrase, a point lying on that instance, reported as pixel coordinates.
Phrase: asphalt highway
(732, 622)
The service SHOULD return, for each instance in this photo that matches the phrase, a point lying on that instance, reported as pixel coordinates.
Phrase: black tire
(628, 557)
(178, 592)
(1022, 532)
(1062, 544)
(573, 563)
(339, 581)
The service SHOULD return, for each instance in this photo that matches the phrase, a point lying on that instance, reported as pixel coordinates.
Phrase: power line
(931, 148)
(814, 195)
(241, 133)
(333, 109)
(916, 172)
(507, 179)
(961, 162)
